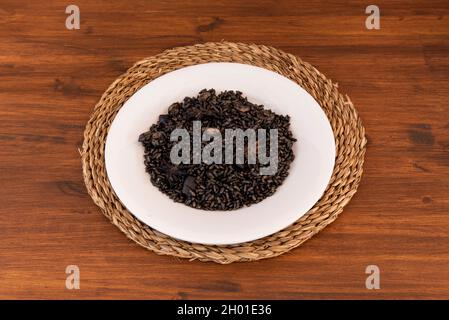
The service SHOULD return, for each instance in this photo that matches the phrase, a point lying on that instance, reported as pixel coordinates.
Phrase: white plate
(309, 173)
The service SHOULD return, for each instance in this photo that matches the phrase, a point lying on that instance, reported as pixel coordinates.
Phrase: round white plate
(309, 173)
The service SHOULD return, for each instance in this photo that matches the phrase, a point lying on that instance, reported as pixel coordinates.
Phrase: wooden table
(398, 78)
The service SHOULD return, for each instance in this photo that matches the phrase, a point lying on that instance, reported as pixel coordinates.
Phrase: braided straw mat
(348, 131)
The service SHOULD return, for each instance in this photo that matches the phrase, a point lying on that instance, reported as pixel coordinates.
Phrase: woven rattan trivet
(346, 124)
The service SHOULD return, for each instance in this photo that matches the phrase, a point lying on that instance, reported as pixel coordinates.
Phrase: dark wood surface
(398, 78)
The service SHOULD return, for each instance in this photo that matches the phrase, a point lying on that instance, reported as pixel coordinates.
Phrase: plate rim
(107, 167)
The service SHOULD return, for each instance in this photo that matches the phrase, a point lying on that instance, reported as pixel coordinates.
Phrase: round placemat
(347, 127)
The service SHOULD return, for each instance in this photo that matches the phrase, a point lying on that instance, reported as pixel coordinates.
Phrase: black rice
(215, 186)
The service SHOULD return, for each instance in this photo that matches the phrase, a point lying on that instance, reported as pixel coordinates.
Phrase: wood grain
(398, 78)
